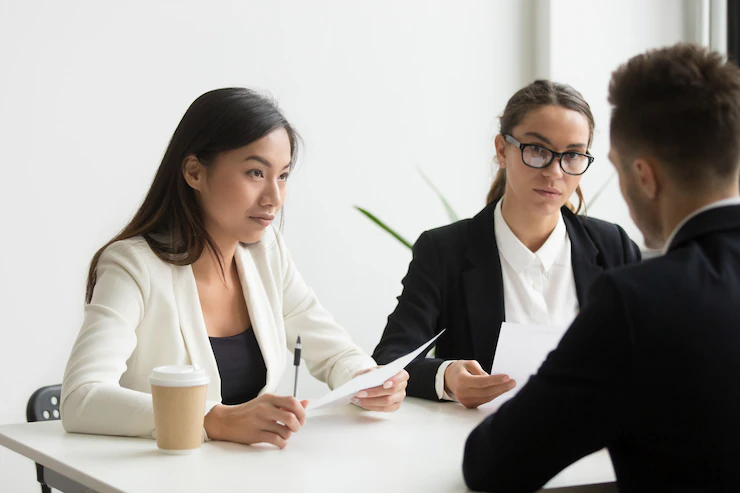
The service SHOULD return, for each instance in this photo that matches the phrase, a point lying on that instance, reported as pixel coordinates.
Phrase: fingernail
(506, 378)
(388, 384)
(355, 400)
(362, 394)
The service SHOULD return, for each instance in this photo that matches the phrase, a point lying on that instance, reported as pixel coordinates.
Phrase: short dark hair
(681, 105)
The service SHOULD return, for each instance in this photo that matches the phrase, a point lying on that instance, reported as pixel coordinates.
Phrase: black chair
(44, 406)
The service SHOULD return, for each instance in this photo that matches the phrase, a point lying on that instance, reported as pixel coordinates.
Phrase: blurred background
(91, 91)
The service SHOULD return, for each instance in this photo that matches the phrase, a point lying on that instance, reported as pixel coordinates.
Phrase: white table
(418, 448)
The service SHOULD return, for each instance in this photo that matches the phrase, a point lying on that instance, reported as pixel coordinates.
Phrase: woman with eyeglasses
(526, 258)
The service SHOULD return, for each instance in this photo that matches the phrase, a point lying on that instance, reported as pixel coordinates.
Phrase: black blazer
(650, 369)
(455, 282)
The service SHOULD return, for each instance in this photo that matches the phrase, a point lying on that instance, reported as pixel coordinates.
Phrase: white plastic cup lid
(178, 376)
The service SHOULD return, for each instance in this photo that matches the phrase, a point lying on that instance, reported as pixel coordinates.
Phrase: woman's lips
(264, 220)
(548, 193)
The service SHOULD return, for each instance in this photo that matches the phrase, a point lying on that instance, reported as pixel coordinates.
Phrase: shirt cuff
(439, 382)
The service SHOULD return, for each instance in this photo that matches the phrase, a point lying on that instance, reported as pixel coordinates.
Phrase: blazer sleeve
(414, 321)
(570, 408)
(327, 348)
(92, 400)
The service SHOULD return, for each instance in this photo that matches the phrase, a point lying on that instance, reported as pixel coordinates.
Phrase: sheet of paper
(344, 393)
(520, 352)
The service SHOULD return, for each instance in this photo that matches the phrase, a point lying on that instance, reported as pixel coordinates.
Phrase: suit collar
(483, 286)
(260, 311)
(709, 220)
(193, 328)
(513, 251)
(483, 280)
(584, 255)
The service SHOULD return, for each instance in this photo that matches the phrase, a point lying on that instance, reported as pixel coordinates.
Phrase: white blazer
(146, 312)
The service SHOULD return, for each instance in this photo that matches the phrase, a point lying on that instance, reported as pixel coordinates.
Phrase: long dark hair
(536, 95)
(170, 219)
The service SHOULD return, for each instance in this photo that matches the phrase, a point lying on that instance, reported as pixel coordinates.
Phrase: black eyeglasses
(537, 156)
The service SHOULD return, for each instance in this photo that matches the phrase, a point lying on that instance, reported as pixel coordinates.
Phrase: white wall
(587, 41)
(91, 91)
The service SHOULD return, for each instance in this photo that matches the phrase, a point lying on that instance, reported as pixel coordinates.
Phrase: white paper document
(344, 393)
(521, 350)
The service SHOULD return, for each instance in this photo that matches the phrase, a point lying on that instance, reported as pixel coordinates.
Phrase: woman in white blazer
(200, 276)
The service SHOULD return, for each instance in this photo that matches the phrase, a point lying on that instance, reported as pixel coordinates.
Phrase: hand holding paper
(520, 352)
(472, 386)
(375, 378)
(384, 398)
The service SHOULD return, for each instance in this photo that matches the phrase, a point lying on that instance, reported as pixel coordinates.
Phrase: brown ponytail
(537, 94)
(498, 188)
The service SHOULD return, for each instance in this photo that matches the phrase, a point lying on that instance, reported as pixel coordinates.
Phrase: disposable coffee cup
(179, 399)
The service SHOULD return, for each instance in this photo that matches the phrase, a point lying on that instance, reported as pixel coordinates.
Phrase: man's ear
(193, 172)
(648, 178)
(500, 144)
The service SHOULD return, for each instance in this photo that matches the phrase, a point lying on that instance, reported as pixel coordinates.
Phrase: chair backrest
(44, 404)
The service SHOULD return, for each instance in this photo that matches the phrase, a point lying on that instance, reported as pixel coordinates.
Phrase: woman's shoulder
(457, 235)
(450, 233)
(133, 253)
(611, 240)
(136, 245)
(601, 229)
(446, 244)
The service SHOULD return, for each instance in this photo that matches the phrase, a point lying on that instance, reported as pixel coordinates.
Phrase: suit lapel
(583, 255)
(483, 285)
(193, 327)
(710, 221)
(261, 314)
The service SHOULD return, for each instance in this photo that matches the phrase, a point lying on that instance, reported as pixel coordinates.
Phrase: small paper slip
(521, 350)
(344, 393)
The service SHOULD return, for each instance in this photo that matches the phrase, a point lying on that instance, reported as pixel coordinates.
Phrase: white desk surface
(418, 448)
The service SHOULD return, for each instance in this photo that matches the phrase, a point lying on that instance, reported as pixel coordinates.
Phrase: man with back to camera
(650, 368)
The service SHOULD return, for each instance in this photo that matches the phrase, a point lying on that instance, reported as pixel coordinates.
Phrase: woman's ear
(500, 145)
(193, 172)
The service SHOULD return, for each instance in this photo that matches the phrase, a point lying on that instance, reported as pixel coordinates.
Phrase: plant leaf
(380, 223)
(450, 211)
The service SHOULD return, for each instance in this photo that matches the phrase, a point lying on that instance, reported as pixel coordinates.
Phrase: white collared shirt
(539, 287)
(713, 205)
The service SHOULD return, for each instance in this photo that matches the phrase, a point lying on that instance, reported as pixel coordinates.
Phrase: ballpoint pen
(296, 363)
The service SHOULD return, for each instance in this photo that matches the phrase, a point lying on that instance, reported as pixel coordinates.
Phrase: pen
(296, 363)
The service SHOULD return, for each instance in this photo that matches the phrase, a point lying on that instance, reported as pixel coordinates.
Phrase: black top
(650, 369)
(455, 282)
(240, 364)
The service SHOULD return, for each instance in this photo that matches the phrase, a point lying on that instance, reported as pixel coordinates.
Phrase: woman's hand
(472, 386)
(266, 419)
(384, 398)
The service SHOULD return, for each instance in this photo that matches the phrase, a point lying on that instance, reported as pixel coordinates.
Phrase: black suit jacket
(650, 369)
(455, 282)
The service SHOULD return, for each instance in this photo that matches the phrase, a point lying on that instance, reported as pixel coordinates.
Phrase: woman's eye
(284, 176)
(255, 173)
